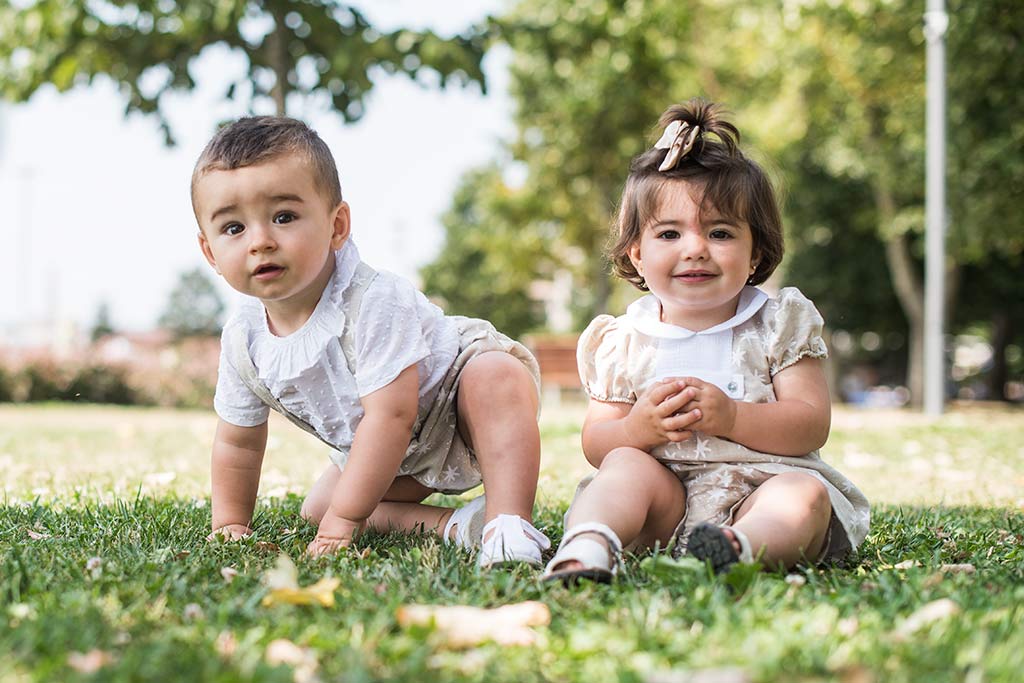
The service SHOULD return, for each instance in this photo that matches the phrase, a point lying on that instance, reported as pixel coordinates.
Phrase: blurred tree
(102, 325)
(311, 47)
(194, 308)
(488, 260)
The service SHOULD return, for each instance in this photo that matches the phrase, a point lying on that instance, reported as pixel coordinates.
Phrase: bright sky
(97, 209)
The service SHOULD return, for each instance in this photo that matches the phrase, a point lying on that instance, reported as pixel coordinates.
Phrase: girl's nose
(693, 247)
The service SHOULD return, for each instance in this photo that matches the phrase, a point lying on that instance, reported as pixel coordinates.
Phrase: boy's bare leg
(640, 499)
(497, 409)
(399, 511)
(787, 517)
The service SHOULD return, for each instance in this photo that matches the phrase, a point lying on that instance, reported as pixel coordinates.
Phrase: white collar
(645, 316)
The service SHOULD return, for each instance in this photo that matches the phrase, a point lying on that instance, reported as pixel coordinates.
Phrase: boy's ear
(342, 225)
(204, 246)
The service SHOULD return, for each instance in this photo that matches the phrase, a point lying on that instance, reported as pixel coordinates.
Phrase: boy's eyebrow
(286, 197)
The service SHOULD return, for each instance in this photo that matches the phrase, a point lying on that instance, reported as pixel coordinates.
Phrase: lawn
(104, 573)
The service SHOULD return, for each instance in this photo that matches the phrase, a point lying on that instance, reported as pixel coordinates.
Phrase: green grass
(96, 483)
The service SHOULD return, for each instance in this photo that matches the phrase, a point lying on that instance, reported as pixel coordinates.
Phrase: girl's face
(695, 264)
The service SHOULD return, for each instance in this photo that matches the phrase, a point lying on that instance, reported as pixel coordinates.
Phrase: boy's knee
(496, 370)
(311, 512)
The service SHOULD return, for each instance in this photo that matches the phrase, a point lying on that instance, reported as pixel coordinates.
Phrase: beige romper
(619, 358)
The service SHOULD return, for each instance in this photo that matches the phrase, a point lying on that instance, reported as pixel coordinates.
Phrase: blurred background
(483, 147)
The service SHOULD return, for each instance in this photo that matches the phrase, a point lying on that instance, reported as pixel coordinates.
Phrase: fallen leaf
(267, 547)
(36, 536)
(226, 644)
(906, 564)
(90, 662)
(964, 568)
(192, 612)
(796, 580)
(301, 659)
(462, 626)
(229, 573)
(182, 555)
(721, 675)
(283, 583)
(929, 613)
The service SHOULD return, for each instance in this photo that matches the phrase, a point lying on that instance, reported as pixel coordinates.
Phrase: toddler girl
(708, 401)
(411, 401)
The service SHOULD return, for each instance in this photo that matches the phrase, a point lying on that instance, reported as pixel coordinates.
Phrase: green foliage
(316, 48)
(485, 265)
(194, 307)
(101, 326)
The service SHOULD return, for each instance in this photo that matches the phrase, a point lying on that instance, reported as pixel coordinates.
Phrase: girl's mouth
(695, 276)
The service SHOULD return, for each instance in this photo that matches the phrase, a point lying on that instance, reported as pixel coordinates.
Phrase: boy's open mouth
(267, 270)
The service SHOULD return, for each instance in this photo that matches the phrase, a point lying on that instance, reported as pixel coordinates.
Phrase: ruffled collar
(287, 357)
(645, 316)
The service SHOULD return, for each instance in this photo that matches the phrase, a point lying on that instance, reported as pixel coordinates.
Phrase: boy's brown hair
(257, 139)
(728, 181)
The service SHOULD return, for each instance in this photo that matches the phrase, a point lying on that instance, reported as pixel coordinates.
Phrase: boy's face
(269, 231)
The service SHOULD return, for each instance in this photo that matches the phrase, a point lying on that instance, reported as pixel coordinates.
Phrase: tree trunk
(1002, 333)
(277, 53)
(909, 291)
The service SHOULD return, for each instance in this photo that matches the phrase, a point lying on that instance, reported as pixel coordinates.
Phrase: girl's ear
(634, 257)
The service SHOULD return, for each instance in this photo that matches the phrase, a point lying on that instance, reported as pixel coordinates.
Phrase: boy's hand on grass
(333, 534)
(658, 416)
(230, 532)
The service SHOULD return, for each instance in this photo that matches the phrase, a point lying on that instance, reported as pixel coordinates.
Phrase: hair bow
(678, 139)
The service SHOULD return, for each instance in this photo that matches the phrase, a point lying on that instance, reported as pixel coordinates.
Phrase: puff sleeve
(601, 358)
(794, 331)
(390, 333)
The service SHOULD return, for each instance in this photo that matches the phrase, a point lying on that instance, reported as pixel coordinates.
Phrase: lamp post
(936, 22)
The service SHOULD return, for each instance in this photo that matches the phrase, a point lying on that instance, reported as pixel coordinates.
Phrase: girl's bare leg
(497, 408)
(640, 499)
(787, 518)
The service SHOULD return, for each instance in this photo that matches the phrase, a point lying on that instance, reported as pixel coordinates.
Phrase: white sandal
(599, 563)
(468, 522)
(709, 543)
(513, 540)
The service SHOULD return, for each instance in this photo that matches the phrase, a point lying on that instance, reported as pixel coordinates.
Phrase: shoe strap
(514, 524)
(603, 530)
(746, 555)
(462, 519)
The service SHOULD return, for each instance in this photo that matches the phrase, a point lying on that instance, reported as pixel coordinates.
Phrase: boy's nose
(260, 238)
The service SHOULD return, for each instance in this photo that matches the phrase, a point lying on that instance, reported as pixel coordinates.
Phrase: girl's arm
(796, 424)
(235, 475)
(378, 448)
(656, 418)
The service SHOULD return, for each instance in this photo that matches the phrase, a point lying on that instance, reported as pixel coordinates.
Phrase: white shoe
(513, 540)
(468, 521)
(598, 561)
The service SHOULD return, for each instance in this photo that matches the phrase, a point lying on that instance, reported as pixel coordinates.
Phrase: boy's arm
(795, 424)
(379, 445)
(656, 418)
(235, 476)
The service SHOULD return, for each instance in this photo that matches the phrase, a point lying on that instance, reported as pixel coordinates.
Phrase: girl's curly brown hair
(727, 179)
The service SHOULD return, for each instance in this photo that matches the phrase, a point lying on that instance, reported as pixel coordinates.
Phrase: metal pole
(935, 23)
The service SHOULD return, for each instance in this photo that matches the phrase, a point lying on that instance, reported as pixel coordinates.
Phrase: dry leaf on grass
(723, 675)
(267, 547)
(36, 536)
(461, 626)
(933, 611)
(301, 659)
(229, 574)
(283, 582)
(964, 568)
(89, 662)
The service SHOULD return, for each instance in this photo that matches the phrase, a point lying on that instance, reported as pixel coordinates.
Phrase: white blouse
(307, 370)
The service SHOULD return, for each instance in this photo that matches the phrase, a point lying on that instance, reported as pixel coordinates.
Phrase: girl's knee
(311, 511)
(808, 489)
(496, 370)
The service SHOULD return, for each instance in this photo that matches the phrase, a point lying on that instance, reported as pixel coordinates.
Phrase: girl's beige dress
(619, 358)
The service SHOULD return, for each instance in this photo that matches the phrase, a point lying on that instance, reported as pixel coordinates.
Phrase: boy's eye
(284, 217)
(233, 229)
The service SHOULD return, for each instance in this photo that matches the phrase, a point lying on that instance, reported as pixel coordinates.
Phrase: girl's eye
(284, 217)
(668, 235)
(719, 234)
(233, 229)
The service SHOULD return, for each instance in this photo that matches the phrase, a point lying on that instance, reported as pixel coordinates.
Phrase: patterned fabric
(619, 358)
